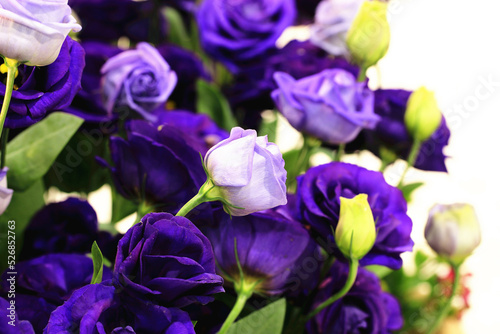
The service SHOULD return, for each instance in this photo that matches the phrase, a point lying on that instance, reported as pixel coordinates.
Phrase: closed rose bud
(369, 36)
(33, 31)
(248, 173)
(453, 231)
(355, 233)
(422, 115)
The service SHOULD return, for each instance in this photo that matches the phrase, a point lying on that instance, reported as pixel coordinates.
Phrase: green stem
(362, 74)
(4, 139)
(243, 296)
(446, 308)
(9, 86)
(340, 152)
(142, 210)
(415, 147)
(351, 278)
(200, 197)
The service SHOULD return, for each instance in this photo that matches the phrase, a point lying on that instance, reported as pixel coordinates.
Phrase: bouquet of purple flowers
(172, 109)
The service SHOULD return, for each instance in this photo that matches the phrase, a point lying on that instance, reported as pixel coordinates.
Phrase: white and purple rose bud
(332, 21)
(453, 231)
(5, 193)
(33, 31)
(330, 105)
(140, 79)
(248, 173)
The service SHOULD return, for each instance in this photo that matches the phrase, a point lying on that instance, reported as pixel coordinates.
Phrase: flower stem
(351, 278)
(11, 65)
(200, 197)
(411, 159)
(446, 308)
(243, 295)
(340, 152)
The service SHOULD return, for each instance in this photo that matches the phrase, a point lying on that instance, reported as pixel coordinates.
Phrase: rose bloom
(330, 105)
(33, 31)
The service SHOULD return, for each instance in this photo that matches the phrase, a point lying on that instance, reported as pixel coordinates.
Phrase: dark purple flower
(238, 31)
(330, 105)
(10, 323)
(88, 103)
(390, 105)
(190, 68)
(364, 309)
(139, 78)
(44, 283)
(270, 248)
(199, 127)
(251, 91)
(108, 20)
(318, 196)
(100, 308)
(44, 89)
(64, 227)
(157, 166)
(167, 259)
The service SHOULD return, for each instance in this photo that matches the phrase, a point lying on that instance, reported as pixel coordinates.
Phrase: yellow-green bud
(369, 36)
(355, 233)
(453, 231)
(422, 116)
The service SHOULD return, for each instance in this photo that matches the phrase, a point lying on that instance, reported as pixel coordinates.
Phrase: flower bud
(422, 116)
(355, 233)
(453, 231)
(369, 35)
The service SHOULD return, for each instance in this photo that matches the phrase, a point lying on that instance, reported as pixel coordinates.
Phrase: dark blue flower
(47, 88)
(101, 308)
(364, 309)
(318, 196)
(390, 105)
(10, 323)
(168, 260)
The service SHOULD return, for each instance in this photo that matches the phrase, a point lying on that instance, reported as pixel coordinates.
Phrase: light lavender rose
(330, 105)
(5, 193)
(332, 21)
(33, 31)
(248, 172)
(140, 79)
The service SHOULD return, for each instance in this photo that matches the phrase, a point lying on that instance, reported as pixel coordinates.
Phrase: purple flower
(65, 227)
(140, 79)
(44, 89)
(44, 283)
(319, 191)
(200, 128)
(10, 323)
(251, 91)
(330, 105)
(270, 248)
(157, 166)
(391, 131)
(332, 21)
(33, 32)
(248, 172)
(100, 308)
(5, 193)
(167, 259)
(238, 31)
(364, 309)
(108, 20)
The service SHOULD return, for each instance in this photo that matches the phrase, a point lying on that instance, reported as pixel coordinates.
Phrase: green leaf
(98, 264)
(122, 207)
(268, 320)
(177, 33)
(212, 103)
(23, 205)
(408, 189)
(31, 153)
(380, 271)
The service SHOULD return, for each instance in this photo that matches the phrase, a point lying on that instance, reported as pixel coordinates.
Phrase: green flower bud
(355, 233)
(422, 116)
(369, 36)
(453, 231)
